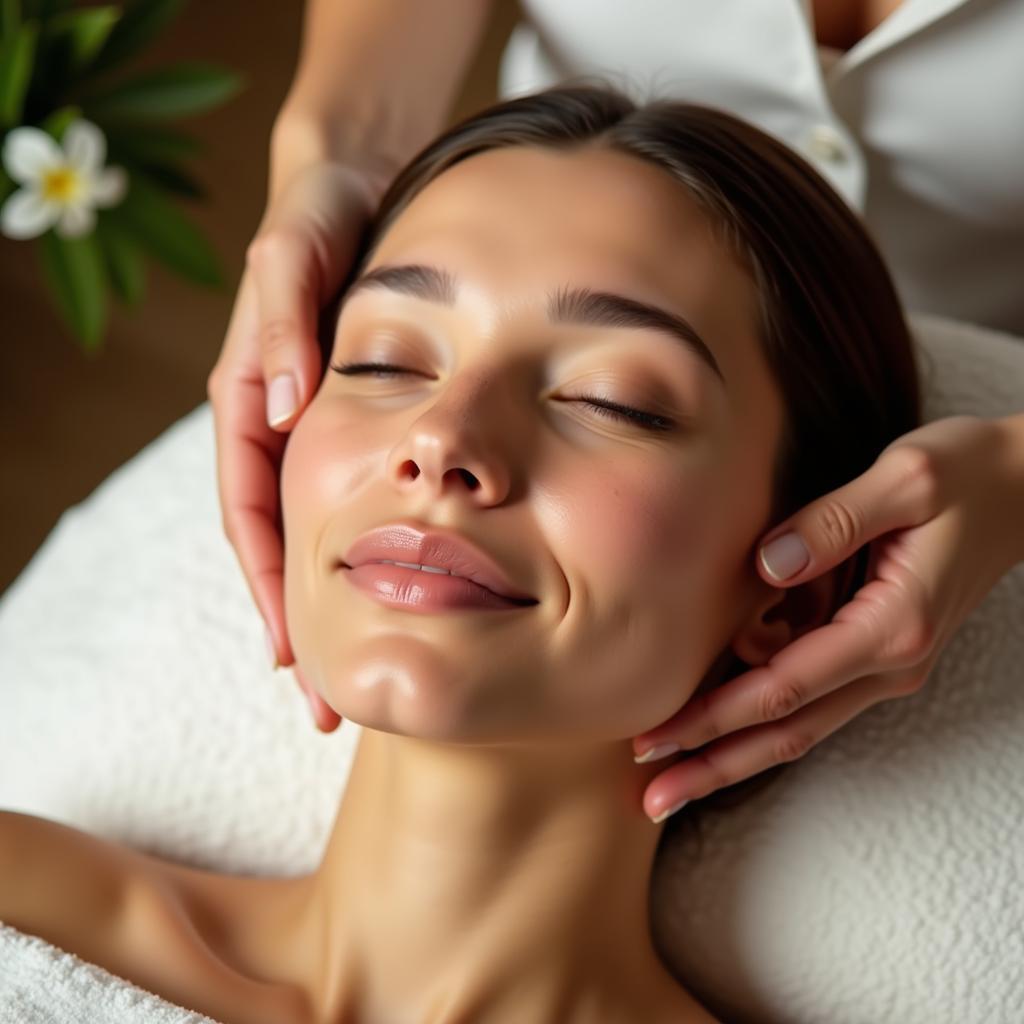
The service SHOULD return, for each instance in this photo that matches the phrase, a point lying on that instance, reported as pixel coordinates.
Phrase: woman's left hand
(943, 508)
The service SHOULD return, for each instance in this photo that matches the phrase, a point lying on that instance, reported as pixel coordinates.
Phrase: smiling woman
(603, 347)
(587, 354)
(824, 318)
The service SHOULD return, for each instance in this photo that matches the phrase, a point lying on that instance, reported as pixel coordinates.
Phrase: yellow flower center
(61, 184)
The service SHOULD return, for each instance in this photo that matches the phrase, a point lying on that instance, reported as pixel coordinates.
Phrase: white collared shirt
(920, 126)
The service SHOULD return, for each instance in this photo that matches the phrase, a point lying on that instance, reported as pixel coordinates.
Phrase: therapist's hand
(943, 508)
(269, 368)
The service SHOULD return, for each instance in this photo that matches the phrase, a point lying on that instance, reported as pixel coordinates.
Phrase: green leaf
(146, 145)
(17, 53)
(141, 21)
(167, 233)
(186, 88)
(57, 122)
(73, 269)
(10, 17)
(123, 259)
(81, 33)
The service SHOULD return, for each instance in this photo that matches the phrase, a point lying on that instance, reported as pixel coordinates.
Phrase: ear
(776, 617)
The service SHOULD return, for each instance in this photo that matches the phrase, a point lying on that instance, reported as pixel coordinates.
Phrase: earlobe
(780, 616)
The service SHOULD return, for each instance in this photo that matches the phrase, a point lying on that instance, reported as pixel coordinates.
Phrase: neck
(507, 879)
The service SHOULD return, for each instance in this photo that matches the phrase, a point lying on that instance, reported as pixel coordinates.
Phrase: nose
(456, 444)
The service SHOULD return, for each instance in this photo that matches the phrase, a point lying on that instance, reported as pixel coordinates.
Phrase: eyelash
(611, 410)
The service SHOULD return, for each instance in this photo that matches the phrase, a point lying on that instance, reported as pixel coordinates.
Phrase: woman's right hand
(269, 368)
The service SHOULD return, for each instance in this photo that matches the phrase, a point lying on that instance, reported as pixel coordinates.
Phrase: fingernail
(271, 653)
(785, 556)
(282, 398)
(655, 752)
(672, 810)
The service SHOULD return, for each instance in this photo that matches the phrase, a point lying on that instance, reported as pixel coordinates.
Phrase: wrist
(301, 137)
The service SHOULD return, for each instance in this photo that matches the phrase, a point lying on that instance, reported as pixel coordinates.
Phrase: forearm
(375, 81)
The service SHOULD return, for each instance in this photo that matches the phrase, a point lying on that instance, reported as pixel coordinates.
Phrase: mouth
(419, 555)
(415, 587)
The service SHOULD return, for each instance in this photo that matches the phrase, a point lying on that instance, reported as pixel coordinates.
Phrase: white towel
(878, 880)
(41, 984)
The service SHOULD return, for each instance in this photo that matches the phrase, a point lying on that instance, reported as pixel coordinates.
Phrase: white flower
(62, 186)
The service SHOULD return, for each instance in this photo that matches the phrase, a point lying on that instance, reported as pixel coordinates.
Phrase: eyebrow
(565, 305)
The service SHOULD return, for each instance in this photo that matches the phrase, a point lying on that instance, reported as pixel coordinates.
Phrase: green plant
(63, 117)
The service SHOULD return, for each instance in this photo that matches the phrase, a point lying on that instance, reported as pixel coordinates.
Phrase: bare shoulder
(133, 914)
(85, 893)
(55, 876)
(103, 901)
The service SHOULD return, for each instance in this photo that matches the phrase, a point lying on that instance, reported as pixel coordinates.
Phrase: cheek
(323, 469)
(301, 482)
(299, 504)
(637, 540)
(327, 463)
(626, 524)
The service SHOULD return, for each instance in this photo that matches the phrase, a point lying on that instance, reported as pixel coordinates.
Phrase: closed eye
(612, 410)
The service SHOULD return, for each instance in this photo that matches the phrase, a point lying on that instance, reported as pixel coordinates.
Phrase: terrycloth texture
(41, 984)
(877, 880)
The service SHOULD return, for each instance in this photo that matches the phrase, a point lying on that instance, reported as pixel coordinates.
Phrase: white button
(824, 142)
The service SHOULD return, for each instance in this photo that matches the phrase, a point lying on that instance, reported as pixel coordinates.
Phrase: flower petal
(27, 214)
(109, 186)
(85, 145)
(77, 220)
(28, 152)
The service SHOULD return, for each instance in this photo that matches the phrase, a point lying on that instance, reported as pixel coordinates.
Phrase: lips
(445, 549)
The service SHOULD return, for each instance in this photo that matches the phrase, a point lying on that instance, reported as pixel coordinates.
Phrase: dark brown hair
(830, 323)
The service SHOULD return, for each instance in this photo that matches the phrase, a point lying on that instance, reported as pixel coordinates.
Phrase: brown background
(68, 420)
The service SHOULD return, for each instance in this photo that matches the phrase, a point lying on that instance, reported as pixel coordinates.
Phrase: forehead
(513, 223)
(526, 215)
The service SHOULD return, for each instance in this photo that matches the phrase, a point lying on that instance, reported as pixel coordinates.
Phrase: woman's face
(637, 543)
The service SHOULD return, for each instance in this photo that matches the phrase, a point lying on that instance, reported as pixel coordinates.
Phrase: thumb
(832, 528)
(288, 287)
